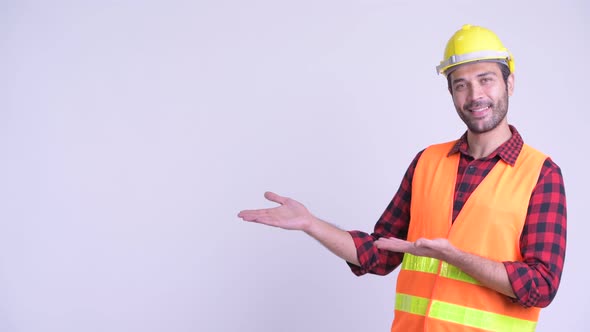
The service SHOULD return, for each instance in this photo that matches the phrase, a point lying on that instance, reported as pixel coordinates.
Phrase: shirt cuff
(364, 250)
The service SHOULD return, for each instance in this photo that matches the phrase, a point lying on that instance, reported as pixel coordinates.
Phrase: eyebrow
(487, 73)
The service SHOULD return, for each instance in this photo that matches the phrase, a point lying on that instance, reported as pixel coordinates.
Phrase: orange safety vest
(432, 295)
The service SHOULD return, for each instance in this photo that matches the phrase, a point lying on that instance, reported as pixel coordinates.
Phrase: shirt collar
(508, 151)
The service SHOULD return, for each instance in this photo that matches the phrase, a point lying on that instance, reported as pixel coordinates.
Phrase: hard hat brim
(456, 60)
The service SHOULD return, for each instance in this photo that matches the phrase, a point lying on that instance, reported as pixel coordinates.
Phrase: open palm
(435, 248)
(289, 215)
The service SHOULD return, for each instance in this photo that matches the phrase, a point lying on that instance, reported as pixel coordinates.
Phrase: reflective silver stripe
(480, 55)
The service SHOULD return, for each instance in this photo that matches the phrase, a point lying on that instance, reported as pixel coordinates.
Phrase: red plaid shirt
(543, 240)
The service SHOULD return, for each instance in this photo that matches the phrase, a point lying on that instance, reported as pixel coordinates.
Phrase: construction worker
(478, 224)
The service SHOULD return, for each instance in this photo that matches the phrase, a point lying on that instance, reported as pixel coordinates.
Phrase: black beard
(499, 111)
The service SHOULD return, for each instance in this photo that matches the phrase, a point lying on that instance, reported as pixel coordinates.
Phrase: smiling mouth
(479, 110)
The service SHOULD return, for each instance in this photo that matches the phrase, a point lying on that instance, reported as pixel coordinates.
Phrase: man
(480, 223)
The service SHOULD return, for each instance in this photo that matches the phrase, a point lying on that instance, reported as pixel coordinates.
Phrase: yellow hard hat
(474, 43)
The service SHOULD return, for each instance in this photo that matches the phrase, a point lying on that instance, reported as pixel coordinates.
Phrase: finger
(421, 242)
(269, 221)
(424, 243)
(262, 219)
(275, 198)
(384, 243)
(393, 241)
(393, 244)
(250, 215)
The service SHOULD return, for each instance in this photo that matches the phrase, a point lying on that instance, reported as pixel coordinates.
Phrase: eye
(459, 86)
(486, 80)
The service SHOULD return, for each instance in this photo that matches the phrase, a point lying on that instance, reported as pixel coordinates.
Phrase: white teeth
(480, 109)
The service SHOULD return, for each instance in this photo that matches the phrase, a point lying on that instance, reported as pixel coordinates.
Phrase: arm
(394, 222)
(489, 273)
(355, 247)
(293, 215)
(531, 282)
(535, 280)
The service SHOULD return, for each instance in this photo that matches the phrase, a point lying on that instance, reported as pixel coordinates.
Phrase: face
(481, 96)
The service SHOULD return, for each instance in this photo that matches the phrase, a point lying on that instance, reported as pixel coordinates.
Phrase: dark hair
(503, 68)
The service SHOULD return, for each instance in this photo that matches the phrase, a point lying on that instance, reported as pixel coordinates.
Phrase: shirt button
(471, 169)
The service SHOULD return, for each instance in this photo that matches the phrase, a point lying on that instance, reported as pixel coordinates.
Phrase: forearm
(536, 278)
(338, 241)
(489, 273)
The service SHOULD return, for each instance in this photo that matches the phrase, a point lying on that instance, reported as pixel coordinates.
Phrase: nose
(475, 92)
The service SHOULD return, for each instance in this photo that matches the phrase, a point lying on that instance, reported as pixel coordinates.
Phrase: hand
(437, 248)
(290, 215)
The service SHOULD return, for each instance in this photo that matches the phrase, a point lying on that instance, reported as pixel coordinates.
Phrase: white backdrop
(132, 133)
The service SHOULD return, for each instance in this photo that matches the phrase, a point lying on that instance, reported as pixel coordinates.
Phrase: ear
(510, 83)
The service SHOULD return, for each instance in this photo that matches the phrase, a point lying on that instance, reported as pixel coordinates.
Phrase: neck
(482, 145)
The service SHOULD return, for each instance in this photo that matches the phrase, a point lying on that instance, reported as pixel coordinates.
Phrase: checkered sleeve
(543, 241)
(393, 222)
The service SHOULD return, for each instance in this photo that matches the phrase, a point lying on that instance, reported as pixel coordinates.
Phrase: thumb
(275, 198)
